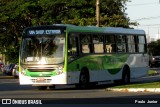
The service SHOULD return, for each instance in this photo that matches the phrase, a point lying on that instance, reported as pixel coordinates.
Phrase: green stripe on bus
(111, 63)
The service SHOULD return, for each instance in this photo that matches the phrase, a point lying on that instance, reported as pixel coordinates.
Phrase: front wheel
(42, 87)
(83, 81)
(52, 87)
(126, 76)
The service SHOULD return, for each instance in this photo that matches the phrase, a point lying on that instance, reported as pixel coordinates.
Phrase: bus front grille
(41, 70)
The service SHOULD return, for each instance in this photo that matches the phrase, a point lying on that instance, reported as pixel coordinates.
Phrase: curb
(4, 76)
(7, 77)
(157, 90)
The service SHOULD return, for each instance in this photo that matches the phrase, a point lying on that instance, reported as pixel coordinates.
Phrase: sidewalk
(157, 90)
(155, 78)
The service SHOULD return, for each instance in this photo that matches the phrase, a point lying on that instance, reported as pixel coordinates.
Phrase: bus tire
(83, 79)
(42, 87)
(126, 75)
(52, 87)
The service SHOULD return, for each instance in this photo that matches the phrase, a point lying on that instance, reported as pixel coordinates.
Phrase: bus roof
(124, 30)
(110, 30)
(91, 29)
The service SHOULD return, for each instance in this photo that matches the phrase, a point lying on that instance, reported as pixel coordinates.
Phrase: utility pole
(98, 13)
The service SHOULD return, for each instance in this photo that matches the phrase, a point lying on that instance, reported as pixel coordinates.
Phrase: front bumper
(58, 79)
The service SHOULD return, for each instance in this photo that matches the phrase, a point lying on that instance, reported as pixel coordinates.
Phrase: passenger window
(98, 43)
(72, 47)
(110, 44)
(141, 44)
(121, 43)
(131, 43)
(85, 41)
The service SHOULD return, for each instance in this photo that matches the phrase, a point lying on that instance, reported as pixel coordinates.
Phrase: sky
(147, 14)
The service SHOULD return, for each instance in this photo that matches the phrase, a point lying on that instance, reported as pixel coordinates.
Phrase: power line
(153, 3)
(149, 18)
(150, 25)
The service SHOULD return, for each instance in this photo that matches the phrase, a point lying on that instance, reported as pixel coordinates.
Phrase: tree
(154, 47)
(15, 15)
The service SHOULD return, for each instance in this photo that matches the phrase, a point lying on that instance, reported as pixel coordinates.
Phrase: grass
(140, 85)
(152, 72)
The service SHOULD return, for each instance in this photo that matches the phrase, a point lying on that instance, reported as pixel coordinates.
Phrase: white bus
(80, 55)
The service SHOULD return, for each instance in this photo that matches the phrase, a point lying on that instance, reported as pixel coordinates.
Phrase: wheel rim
(126, 78)
(83, 81)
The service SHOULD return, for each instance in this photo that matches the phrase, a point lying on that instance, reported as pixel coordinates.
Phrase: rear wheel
(42, 87)
(126, 76)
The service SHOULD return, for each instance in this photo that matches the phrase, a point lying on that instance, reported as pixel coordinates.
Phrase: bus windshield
(43, 49)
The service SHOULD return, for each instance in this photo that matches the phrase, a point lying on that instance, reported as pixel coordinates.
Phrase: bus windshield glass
(43, 49)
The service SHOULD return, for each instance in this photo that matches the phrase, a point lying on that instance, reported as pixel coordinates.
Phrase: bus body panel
(137, 64)
(101, 66)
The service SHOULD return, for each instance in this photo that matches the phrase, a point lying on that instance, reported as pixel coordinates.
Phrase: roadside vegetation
(16, 15)
(152, 72)
(140, 85)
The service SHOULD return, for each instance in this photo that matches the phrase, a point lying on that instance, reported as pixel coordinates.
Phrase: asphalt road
(68, 94)
(10, 88)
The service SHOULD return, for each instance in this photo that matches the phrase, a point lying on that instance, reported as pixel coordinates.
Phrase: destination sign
(44, 32)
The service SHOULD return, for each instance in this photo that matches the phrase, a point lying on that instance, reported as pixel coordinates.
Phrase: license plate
(40, 80)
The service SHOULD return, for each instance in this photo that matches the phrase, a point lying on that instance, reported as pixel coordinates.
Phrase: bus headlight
(153, 58)
(60, 70)
(23, 71)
